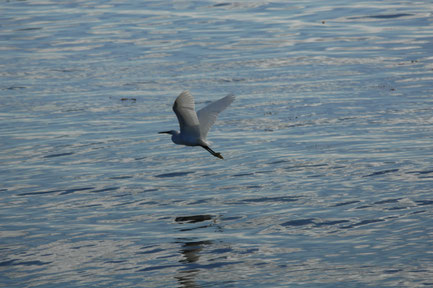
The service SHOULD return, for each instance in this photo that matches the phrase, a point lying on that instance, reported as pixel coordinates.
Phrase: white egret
(195, 126)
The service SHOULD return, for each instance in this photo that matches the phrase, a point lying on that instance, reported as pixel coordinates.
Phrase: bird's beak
(164, 132)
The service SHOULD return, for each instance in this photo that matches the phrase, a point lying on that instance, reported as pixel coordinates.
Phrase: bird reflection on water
(190, 251)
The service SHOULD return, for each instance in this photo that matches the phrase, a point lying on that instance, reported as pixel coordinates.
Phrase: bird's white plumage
(198, 124)
(208, 115)
(184, 109)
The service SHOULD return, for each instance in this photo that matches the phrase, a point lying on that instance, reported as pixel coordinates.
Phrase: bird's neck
(175, 137)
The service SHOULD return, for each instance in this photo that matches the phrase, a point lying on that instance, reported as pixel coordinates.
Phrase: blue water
(327, 178)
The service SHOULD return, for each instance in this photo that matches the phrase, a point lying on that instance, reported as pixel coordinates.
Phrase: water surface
(327, 177)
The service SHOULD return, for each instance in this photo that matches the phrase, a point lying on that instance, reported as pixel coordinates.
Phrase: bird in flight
(195, 126)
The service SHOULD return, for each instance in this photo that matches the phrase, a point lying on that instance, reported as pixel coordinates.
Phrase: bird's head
(171, 132)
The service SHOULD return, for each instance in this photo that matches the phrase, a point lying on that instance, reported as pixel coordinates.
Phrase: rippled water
(328, 174)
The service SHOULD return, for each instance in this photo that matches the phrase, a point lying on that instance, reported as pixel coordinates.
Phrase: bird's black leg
(216, 154)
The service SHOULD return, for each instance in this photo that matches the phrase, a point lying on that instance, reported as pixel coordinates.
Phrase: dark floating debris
(194, 218)
(381, 16)
(221, 4)
(58, 155)
(14, 88)
(390, 16)
(128, 99)
(173, 174)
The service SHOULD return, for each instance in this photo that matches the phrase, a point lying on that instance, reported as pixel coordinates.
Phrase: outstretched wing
(208, 114)
(185, 111)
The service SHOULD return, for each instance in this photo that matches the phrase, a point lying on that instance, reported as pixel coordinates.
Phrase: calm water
(328, 175)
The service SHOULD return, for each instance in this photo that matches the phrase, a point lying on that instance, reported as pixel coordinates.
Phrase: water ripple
(326, 179)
